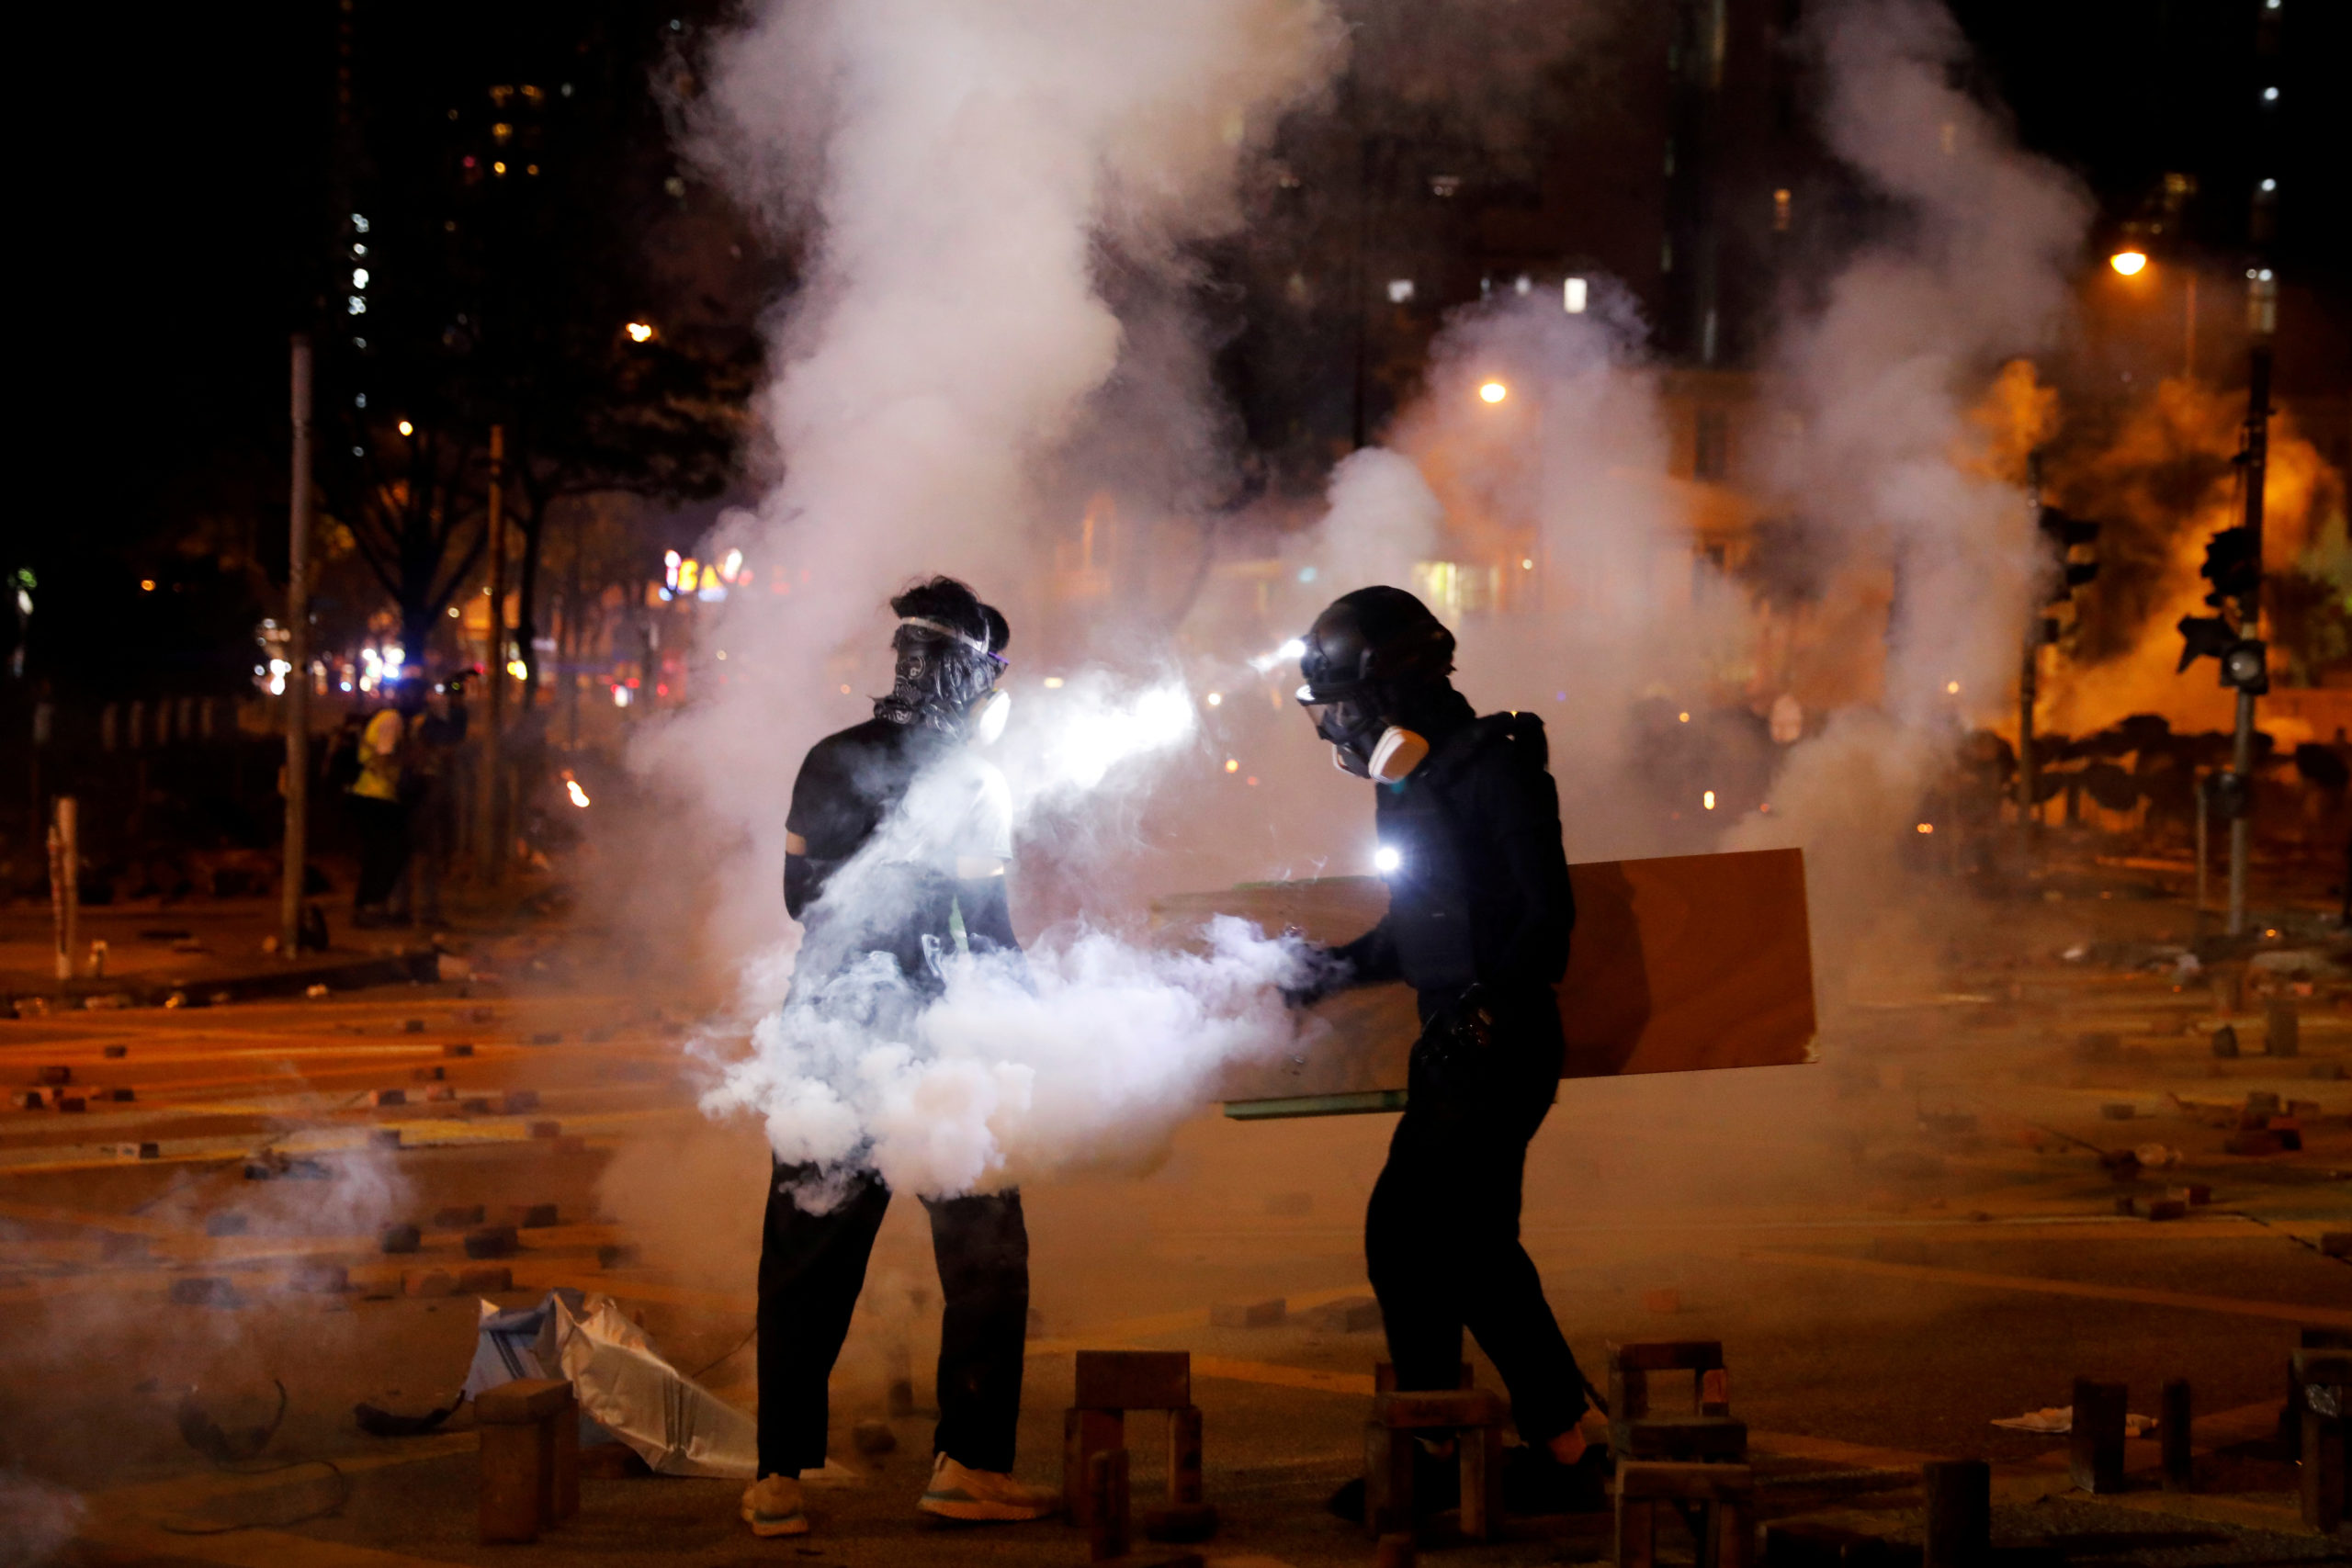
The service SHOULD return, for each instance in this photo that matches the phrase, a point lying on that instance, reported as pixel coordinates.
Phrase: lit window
(1400, 291)
(1573, 295)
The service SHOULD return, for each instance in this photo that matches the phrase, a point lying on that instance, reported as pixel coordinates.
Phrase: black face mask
(1363, 743)
(941, 677)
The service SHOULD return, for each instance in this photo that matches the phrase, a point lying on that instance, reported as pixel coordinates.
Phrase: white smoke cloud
(1090, 1048)
(960, 179)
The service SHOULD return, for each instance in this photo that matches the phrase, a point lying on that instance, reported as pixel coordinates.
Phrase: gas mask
(946, 680)
(1363, 744)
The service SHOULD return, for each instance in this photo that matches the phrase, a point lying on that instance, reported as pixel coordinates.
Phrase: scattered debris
(378, 1422)
(2057, 1420)
(401, 1238)
(491, 1241)
(531, 1216)
(429, 1282)
(223, 1446)
(1349, 1314)
(1267, 1314)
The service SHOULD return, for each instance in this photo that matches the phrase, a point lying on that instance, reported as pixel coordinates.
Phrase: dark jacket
(1480, 894)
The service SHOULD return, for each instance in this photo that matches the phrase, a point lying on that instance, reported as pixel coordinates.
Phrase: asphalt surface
(1896, 1248)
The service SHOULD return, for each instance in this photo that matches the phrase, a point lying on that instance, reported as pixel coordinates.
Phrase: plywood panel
(1678, 964)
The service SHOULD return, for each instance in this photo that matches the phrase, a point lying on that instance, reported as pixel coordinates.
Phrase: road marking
(2332, 1317)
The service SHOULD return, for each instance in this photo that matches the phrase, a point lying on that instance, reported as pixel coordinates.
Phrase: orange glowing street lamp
(2129, 263)
(1493, 391)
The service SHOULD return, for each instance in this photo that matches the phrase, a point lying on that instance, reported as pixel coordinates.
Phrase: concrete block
(1815, 1543)
(1107, 1524)
(384, 1138)
(873, 1438)
(2225, 1043)
(547, 1037)
(203, 1290)
(1174, 1524)
(1643, 1480)
(1086, 1435)
(458, 1048)
(2281, 1030)
(516, 1101)
(491, 1241)
(619, 1255)
(442, 1092)
(28, 1100)
(2195, 1194)
(401, 1238)
(457, 1216)
(2255, 1143)
(53, 1074)
(1265, 1313)
(388, 1097)
(2166, 1208)
(1959, 1495)
(547, 1129)
(429, 1282)
(2119, 1110)
(329, 1279)
(1349, 1314)
(114, 1053)
(475, 1105)
(2094, 1446)
(2261, 1103)
(486, 1279)
(230, 1224)
(531, 1216)
(1134, 1380)
(429, 1075)
(71, 1104)
(530, 1458)
(413, 1025)
(1395, 1549)
(118, 1095)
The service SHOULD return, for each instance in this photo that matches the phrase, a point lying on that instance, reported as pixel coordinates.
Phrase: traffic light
(2066, 535)
(2233, 565)
(2229, 794)
(2246, 663)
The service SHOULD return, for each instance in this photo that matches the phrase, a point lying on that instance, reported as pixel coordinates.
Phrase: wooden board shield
(1679, 965)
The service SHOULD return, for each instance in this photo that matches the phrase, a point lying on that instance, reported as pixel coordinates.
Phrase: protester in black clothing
(1479, 915)
(898, 840)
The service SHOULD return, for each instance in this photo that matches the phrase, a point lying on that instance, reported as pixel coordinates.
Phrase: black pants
(383, 848)
(1440, 1239)
(811, 1268)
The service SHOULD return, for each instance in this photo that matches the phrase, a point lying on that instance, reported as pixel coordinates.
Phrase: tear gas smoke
(961, 178)
(1090, 1049)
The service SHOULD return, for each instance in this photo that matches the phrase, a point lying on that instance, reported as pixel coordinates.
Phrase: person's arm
(1518, 807)
(817, 788)
(981, 898)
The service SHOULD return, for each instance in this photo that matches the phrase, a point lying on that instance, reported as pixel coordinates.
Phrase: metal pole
(493, 856)
(2028, 676)
(66, 882)
(2258, 451)
(297, 678)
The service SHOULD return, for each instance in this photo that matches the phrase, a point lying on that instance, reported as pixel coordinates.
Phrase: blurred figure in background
(435, 740)
(376, 808)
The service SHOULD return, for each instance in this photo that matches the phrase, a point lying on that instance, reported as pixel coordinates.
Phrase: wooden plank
(1680, 963)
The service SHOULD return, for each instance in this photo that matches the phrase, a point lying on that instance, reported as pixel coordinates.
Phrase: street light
(1493, 392)
(639, 332)
(2128, 263)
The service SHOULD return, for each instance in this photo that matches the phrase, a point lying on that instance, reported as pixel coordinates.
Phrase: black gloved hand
(1453, 1042)
(1321, 972)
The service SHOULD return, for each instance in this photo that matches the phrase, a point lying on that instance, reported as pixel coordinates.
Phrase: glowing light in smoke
(1053, 683)
(1216, 699)
(1926, 827)
(571, 786)
(1951, 688)
(1385, 859)
(639, 332)
(732, 567)
(1232, 765)
(406, 428)
(1683, 718)
(1708, 800)
(146, 585)
(2128, 263)
(1093, 732)
(517, 669)
(1493, 392)
(1572, 295)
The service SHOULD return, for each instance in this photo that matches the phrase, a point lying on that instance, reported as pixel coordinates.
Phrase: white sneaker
(771, 1506)
(956, 1492)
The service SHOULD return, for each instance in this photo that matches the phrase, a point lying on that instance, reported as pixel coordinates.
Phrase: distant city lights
(405, 428)
(639, 332)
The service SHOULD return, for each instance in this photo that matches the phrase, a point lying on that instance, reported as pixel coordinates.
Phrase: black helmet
(1375, 636)
(1365, 651)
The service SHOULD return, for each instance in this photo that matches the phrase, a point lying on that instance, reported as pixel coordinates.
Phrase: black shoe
(1437, 1488)
(1535, 1483)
